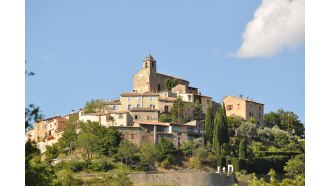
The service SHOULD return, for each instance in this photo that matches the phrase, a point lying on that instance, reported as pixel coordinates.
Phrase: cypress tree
(209, 125)
(216, 132)
(225, 132)
(242, 154)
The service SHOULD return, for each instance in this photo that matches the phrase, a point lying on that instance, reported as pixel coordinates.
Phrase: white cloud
(277, 24)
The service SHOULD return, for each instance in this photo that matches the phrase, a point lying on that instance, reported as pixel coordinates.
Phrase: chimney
(110, 100)
(241, 96)
(72, 111)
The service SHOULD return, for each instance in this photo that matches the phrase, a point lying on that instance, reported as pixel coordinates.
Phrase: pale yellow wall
(237, 110)
(144, 101)
(245, 107)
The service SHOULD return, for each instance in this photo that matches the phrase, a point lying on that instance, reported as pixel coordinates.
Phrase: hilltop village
(166, 131)
(136, 113)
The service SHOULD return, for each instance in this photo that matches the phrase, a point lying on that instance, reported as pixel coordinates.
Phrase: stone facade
(48, 128)
(148, 80)
(245, 108)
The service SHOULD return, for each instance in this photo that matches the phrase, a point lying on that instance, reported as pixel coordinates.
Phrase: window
(138, 98)
(189, 97)
(259, 107)
(136, 117)
(114, 107)
(166, 108)
(128, 98)
(208, 102)
(237, 106)
(259, 115)
(138, 106)
(158, 87)
(148, 117)
(133, 136)
(152, 106)
(146, 65)
(258, 123)
(250, 105)
(151, 98)
(250, 114)
(229, 107)
(45, 126)
(128, 107)
(120, 116)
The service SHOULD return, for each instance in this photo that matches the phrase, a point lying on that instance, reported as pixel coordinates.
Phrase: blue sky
(83, 50)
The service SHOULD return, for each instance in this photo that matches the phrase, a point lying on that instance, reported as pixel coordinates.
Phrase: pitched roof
(244, 99)
(138, 94)
(149, 58)
(144, 109)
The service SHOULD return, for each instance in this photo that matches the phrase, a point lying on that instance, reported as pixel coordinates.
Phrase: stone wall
(183, 178)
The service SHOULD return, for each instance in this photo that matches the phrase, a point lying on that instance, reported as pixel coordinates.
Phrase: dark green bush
(280, 153)
(264, 164)
(75, 166)
(239, 164)
(100, 166)
(261, 165)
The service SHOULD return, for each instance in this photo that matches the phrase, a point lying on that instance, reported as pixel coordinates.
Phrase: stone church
(148, 80)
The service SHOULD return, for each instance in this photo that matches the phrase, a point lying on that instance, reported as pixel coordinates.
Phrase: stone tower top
(149, 58)
(150, 63)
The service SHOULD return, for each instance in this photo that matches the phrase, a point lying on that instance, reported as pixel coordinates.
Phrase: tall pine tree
(209, 125)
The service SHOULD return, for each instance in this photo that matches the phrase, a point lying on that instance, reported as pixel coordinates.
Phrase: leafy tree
(88, 138)
(127, 150)
(201, 156)
(198, 111)
(188, 147)
(37, 172)
(32, 114)
(209, 125)
(69, 137)
(166, 149)
(242, 149)
(165, 118)
(51, 152)
(233, 123)
(95, 106)
(148, 154)
(177, 111)
(251, 120)
(247, 129)
(170, 83)
(286, 120)
(109, 139)
(296, 166)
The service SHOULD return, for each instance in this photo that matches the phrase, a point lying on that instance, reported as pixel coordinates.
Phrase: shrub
(279, 153)
(122, 179)
(100, 166)
(264, 164)
(75, 166)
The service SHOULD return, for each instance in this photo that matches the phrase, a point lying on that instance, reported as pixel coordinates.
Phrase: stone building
(245, 108)
(148, 80)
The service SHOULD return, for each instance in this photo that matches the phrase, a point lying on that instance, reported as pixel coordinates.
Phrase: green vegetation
(170, 83)
(98, 149)
(209, 125)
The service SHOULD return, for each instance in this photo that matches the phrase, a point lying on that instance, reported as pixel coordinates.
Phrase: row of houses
(135, 114)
